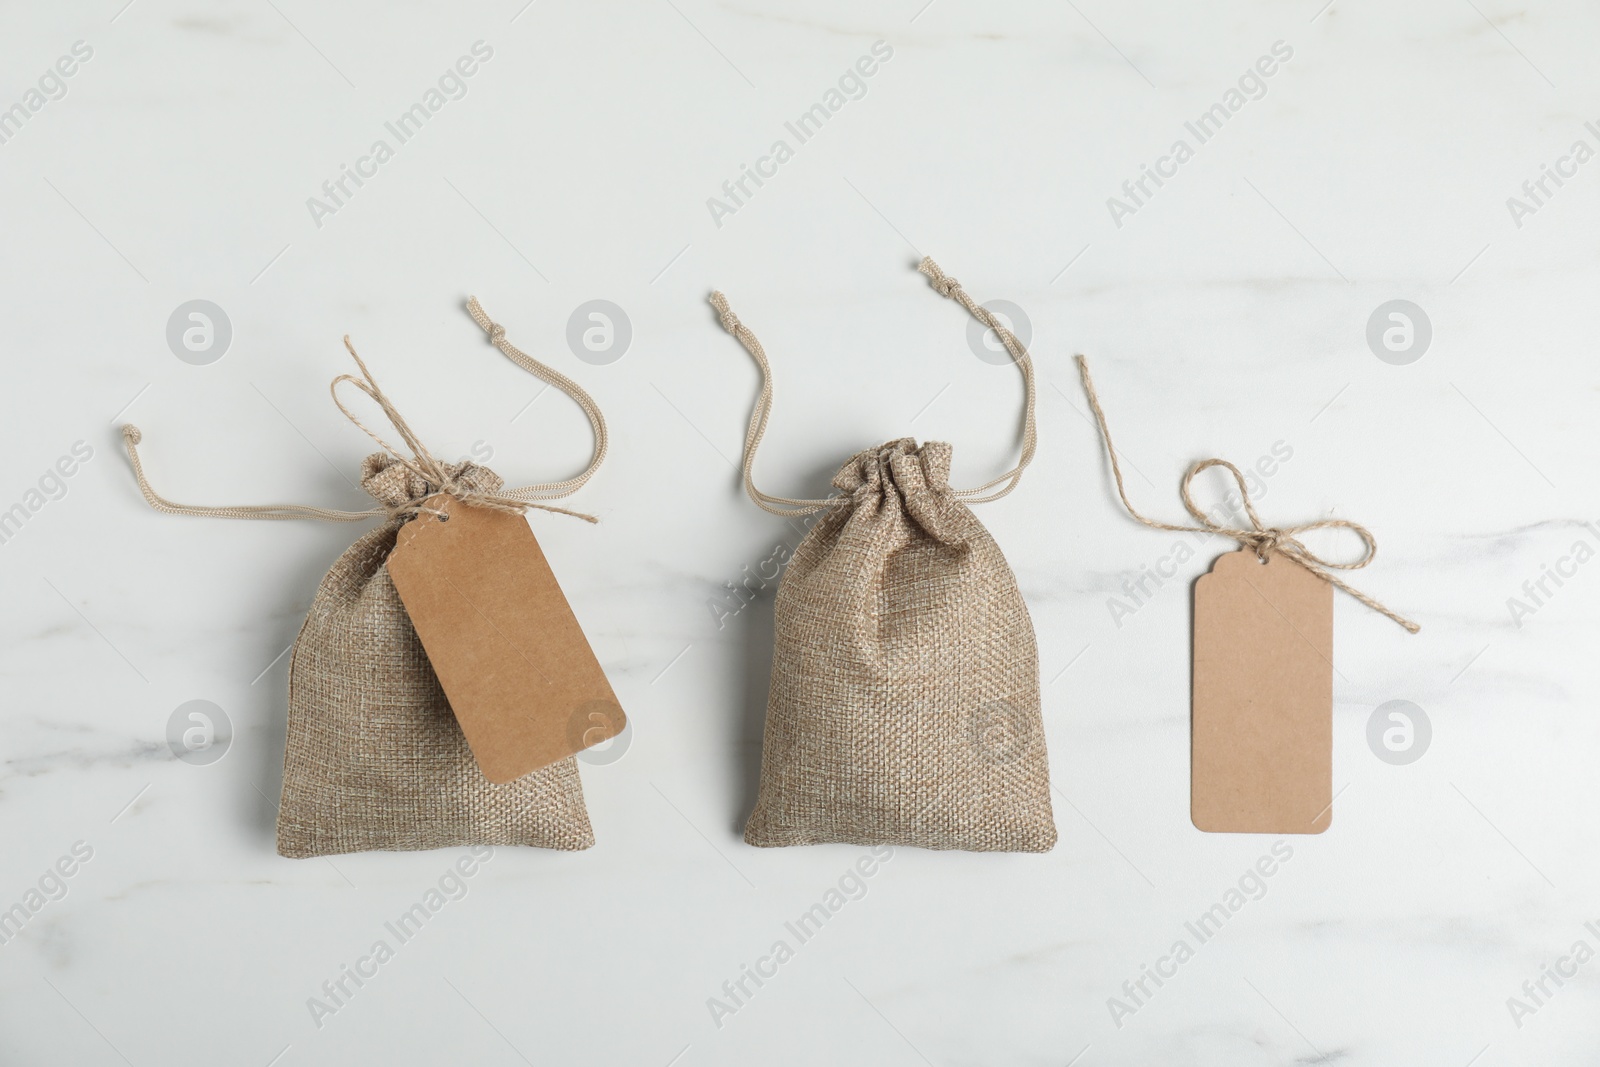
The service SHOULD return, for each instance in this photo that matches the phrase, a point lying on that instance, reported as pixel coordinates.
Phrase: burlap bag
(904, 706)
(374, 758)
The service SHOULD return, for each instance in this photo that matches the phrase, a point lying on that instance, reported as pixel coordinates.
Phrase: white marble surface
(1227, 313)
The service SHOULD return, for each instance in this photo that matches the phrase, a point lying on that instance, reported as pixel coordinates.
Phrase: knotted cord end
(131, 434)
(495, 331)
(942, 283)
(730, 321)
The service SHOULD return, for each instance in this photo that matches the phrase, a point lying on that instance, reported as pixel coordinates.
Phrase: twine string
(1262, 539)
(435, 475)
(945, 286)
(597, 421)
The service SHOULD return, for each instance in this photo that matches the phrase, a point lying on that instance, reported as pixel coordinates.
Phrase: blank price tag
(1263, 698)
(519, 673)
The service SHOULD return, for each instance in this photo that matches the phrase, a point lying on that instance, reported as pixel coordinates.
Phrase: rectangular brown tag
(516, 667)
(1262, 758)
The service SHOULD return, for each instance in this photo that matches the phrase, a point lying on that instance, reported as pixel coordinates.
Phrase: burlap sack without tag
(904, 706)
(905, 680)
(375, 759)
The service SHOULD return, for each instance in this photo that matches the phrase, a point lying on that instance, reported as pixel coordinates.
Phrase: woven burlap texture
(375, 759)
(904, 706)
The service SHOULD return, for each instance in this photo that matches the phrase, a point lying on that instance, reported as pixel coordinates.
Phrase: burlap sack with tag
(904, 706)
(375, 759)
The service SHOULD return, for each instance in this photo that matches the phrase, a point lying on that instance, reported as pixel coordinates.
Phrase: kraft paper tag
(1262, 760)
(519, 673)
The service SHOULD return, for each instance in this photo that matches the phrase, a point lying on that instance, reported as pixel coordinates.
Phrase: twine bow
(1264, 539)
(436, 477)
